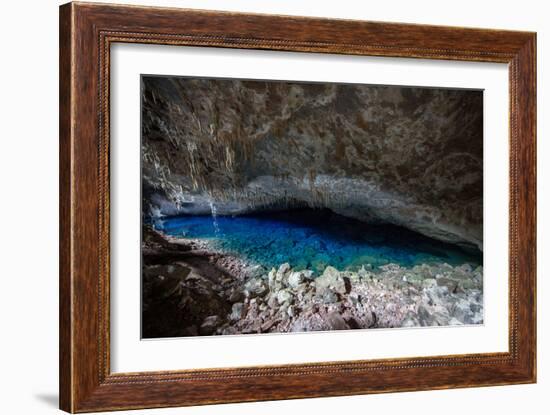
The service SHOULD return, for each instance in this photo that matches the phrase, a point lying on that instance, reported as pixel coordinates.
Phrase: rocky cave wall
(407, 156)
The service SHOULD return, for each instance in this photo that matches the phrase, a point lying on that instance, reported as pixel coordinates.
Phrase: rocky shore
(189, 290)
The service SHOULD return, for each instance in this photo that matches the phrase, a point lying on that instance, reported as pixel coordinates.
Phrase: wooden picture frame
(86, 33)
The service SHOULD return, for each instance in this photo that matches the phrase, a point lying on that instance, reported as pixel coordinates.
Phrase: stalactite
(357, 149)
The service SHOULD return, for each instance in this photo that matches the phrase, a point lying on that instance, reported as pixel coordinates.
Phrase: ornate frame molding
(86, 34)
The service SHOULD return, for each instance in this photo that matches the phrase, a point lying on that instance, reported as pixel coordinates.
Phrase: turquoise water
(314, 239)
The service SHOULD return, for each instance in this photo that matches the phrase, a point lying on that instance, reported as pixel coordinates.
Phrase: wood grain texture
(65, 247)
(86, 33)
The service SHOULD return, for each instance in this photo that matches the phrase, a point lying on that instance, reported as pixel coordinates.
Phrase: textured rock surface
(197, 295)
(409, 156)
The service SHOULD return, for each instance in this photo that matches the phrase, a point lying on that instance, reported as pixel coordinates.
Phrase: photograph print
(282, 206)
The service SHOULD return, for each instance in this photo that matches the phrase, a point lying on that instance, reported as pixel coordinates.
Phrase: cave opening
(276, 206)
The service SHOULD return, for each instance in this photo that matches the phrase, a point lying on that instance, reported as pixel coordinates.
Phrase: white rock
(282, 271)
(255, 287)
(330, 273)
(295, 279)
(271, 276)
(331, 278)
(284, 296)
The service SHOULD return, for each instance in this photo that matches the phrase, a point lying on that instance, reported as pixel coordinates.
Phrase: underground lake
(313, 239)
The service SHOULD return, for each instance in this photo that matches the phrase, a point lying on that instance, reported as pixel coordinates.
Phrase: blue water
(314, 239)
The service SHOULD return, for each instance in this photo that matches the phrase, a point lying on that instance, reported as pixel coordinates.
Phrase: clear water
(314, 239)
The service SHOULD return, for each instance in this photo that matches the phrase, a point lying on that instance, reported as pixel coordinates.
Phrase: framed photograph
(259, 207)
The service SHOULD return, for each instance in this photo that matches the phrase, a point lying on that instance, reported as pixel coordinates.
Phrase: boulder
(269, 324)
(462, 311)
(298, 277)
(284, 296)
(332, 279)
(271, 276)
(236, 296)
(329, 296)
(282, 272)
(336, 322)
(237, 311)
(209, 325)
(255, 287)
(429, 283)
(451, 284)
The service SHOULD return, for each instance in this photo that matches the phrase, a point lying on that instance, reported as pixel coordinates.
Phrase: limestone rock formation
(408, 156)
